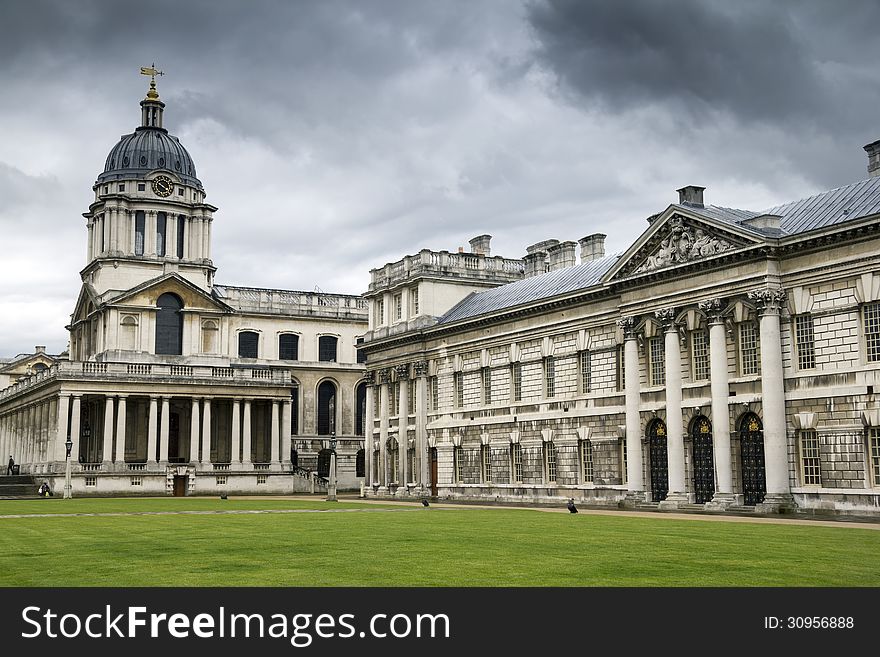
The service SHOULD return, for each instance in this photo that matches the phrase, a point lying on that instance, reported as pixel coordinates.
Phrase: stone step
(741, 509)
(18, 487)
(17, 479)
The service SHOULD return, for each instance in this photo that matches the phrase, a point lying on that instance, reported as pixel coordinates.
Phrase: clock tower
(149, 216)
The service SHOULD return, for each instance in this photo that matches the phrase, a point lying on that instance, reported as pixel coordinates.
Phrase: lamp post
(67, 491)
(331, 484)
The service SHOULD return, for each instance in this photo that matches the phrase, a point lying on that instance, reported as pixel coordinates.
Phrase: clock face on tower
(163, 186)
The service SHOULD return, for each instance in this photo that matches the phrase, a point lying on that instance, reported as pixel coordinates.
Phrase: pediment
(678, 239)
(146, 295)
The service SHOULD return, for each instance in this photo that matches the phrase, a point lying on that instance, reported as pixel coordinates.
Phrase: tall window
(516, 381)
(486, 376)
(326, 408)
(139, 230)
(288, 347)
(486, 463)
(516, 468)
(804, 342)
(181, 234)
(457, 464)
(809, 447)
(327, 349)
(248, 344)
(874, 456)
(411, 464)
(360, 411)
(550, 462)
(376, 455)
(294, 411)
(435, 393)
(586, 376)
(169, 325)
(398, 307)
(161, 232)
(380, 312)
(411, 397)
(749, 359)
(414, 296)
(393, 459)
(623, 461)
(700, 355)
(550, 376)
(587, 461)
(458, 388)
(620, 368)
(871, 315)
(656, 356)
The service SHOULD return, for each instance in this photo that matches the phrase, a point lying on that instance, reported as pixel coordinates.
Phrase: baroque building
(727, 360)
(175, 384)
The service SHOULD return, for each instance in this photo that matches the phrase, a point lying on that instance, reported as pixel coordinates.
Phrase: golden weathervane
(152, 71)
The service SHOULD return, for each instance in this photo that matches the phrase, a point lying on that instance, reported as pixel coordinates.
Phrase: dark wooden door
(180, 486)
(434, 471)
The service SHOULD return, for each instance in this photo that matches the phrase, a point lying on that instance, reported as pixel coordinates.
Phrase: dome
(148, 149)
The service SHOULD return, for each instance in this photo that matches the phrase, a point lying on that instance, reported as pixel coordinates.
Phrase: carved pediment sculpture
(683, 243)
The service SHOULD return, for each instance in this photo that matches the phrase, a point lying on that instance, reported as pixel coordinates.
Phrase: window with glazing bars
(621, 372)
(550, 376)
(327, 349)
(393, 460)
(805, 342)
(288, 347)
(139, 232)
(458, 385)
(380, 312)
(414, 296)
(435, 393)
(623, 460)
(656, 356)
(871, 315)
(486, 461)
(411, 397)
(749, 358)
(457, 464)
(411, 464)
(516, 381)
(874, 455)
(585, 370)
(550, 462)
(516, 468)
(587, 461)
(486, 376)
(398, 306)
(810, 467)
(700, 355)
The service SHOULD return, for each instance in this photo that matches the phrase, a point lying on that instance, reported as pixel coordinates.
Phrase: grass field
(412, 546)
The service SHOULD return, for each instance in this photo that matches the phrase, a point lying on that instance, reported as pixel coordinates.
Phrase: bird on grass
(223, 496)
(571, 507)
(425, 503)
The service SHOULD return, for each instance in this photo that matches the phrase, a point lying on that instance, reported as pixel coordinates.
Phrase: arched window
(288, 347)
(360, 412)
(169, 325)
(40, 367)
(327, 349)
(326, 408)
(248, 344)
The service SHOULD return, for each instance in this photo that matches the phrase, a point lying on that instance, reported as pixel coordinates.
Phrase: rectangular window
(620, 368)
(516, 381)
(136, 481)
(457, 464)
(181, 234)
(398, 307)
(549, 377)
(486, 376)
(180, 191)
(142, 187)
(327, 349)
(220, 481)
(623, 460)
(871, 315)
(486, 461)
(161, 225)
(288, 347)
(121, 187)
(380, 312)
(435, 393)
(804, 342)
(414, 296)
(550, 462)
(587, 461)
(394, 463)
(700, 355)
(262, 479)
(458, 388)
(656, 356)
(749, 359)
(139, 232)
(874, 456)
(294, 411)
(411, 397)
(516, 467)
(91, 481)
(809, 443)
(248, 344)
(376, 464)
(585, 371)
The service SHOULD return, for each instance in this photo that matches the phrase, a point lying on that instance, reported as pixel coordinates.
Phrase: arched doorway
(751, 449)
(360, 463)
(360, 400)
(659, 463)
(326, 408)
(169, 325)
(704, 461)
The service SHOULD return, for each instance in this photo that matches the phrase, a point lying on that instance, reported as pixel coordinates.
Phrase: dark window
(359, 468)
(326, 408)
(288, 347)
(361, 354)
(142, 187)
(327, 349)
(360, 412)
(248, 344)
(139, 232)
(121, 187)
(324, 463)
(161, 224)
(169, 325)
(294, 411)
(181, 233)
(180, 191)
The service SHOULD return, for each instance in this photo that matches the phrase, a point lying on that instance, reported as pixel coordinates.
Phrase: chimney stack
(480, 245)
(592, 247)
(691, 195)
(536, 257)
(873, 151)
(562, 255)
(40, 349)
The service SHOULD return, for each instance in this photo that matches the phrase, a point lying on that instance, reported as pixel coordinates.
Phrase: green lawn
(418, 547)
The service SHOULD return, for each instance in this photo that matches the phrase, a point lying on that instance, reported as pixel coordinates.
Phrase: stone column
(164, 426)
(121, 418)
(186, 235)
(194, 225)
(246, 436)
(275, 434)
(421, 372)
(90, 247)
(151, 432)
(74, 428)
(369, 380)
(112, 218)
(402, 424)
(207, 246)
(674, 432)
(171, 235)
(724, 496)
(194, 434)
(635, 482)
(150, 233)
(106, 230)
(107, 449)
(769, 302)
(236, 431)
(206, 430)
(286, 416)
(384, 382)
(60, 429)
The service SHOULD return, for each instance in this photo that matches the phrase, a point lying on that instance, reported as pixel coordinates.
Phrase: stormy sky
(338, 135)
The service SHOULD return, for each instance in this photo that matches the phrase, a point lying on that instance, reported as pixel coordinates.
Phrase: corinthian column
(384, 382)
(634, 479)
(674, 434)
(369, 380)
(769, 302)
(402, 372)
(421, 372)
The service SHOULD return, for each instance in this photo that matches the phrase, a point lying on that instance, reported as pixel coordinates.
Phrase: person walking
(10, 465)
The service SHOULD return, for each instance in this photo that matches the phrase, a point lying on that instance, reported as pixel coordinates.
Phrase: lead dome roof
(145, 150)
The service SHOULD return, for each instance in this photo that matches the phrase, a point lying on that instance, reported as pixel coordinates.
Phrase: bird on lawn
(425, 503)
(571, 507)
(223, 496)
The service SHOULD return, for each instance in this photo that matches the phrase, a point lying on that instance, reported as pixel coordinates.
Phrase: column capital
(768, 300)
(121, 395)
(666, 317)
(628, 326)
(384, 375)
(713, 309)
(64, 395)
(402, 371)
(370, 377)
(420, 368)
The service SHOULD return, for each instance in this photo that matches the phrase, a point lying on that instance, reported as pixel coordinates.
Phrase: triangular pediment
(146, 294)
(678, 238)
(86, 303)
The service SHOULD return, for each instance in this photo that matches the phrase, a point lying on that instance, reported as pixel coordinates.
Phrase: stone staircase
(18, 487)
